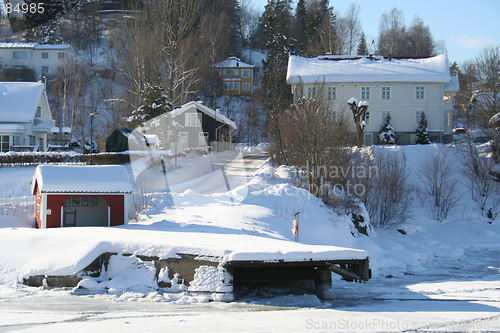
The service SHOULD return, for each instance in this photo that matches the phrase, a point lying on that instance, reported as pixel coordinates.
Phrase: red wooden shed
(80, 196)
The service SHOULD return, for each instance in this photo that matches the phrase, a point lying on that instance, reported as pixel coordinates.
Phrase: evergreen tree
(422, 137)
(387, 134)
(275, 94)
(300, 26)
(155, 103)
(362, 47)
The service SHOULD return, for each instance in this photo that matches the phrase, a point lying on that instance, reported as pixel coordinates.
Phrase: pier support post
(323, 283)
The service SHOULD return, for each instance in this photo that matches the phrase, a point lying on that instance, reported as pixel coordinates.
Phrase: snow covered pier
(220, 264)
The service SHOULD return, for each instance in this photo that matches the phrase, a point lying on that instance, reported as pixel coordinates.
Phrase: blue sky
(466, 27)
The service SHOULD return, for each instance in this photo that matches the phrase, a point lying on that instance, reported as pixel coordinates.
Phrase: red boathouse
(80, 196)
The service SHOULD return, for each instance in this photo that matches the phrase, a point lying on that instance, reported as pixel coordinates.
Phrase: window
(230, 72)
(418, 115)
(368, 139)
(45, 69)
(386, 93)
(367, 118)
(311, 92)
(231, 86)
(60, 55)
(365, 93)
(450, 118)
(45, 55)
(332, 93)
(385, 114)
(245, 73)
(203, 138)
(420, 92)
(193, 119)
(20, 55)
(183, 134)
(4, 143)
(245, 86)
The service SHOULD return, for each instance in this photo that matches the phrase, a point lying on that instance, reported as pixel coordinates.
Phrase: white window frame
(45, 55)
(386, 93)
(419, 92)
(418, 115)
(383, 116)
(245, 86)
(367, 118)
(230, 85)
(230, 72)
(45, 69)
(193, 120)
(245, 72)
(311, 92)
(365, 93)
(368, 137)
(4, 142)
(332, 93)
(20, 55)
(61, 55)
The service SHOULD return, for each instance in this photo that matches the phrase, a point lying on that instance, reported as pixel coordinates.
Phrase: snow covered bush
(387, 134)
(422, 133)
(436, 174)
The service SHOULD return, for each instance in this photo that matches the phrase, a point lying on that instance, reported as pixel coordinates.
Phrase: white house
(43, 58)
(401, 88)
(25, 118)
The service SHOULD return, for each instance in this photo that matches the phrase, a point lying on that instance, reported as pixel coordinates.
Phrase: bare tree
(160, 43)
(419, 39)
(312, 133)
(392, 30)
(477, 167)
(353, 27)
(437, 184)
(388, 195)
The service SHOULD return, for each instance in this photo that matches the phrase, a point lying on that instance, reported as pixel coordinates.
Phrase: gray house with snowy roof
(25, 117)
(403, 89)
(199, 125)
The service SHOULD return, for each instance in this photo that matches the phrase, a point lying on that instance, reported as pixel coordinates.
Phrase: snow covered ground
(439, 276)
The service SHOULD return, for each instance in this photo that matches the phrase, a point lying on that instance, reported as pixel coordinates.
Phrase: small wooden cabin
(80, 196)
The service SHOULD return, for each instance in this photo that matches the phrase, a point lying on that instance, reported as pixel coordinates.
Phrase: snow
(17, 45)
(439, 276)
(23, 97)
(312, 70)
(82, 179)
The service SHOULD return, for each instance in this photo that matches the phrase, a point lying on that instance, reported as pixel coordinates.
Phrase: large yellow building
(235, 77)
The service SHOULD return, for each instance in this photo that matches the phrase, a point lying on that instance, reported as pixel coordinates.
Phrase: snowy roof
(453, 85)
(52, 47)
(17, 45)
(19, 100)
(35, 46)
(12, 128)
(81, 179)
(233, 62)
(365, 69)
(208, 111)
(495, 119)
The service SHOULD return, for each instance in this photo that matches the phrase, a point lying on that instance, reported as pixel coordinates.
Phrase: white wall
(402, 104)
